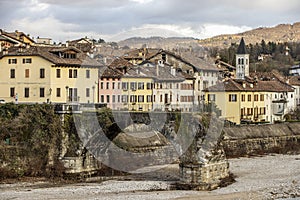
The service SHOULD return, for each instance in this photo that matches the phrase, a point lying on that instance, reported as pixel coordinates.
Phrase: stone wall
(260, 139)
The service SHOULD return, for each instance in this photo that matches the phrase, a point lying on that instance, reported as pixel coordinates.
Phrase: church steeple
(242, 61)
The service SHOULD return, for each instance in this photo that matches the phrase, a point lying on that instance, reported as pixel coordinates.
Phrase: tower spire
(242, 61)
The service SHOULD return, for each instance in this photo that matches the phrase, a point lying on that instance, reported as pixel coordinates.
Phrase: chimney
(244, 85)
(173, 71)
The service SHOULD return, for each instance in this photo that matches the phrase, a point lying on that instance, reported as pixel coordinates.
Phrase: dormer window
(69, 55)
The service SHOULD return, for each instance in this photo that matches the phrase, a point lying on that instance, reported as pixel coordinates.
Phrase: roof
(294, 80)
(242, 47)
(186, 57)
(120, 63)
(16, 35)
(143, 53)
(234, 85)
(108, 72)
(163, 74)
(52, 55)
(199, 63)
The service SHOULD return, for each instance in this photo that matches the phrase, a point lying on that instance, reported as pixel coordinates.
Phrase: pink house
(110, 88)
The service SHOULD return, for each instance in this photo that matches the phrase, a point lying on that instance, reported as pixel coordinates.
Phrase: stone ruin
(204, 165)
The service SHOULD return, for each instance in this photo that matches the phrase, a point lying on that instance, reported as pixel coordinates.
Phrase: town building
(110, 91)
(36, 74)
(246, 99)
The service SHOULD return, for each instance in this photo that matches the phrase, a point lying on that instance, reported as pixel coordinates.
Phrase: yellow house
(239, 100)
(137, 91)
(47, 74)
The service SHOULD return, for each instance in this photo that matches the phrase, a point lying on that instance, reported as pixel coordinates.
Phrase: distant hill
(279, 34)
(159, 42)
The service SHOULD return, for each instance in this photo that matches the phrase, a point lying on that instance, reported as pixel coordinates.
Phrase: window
(42, 92)
(12, 92)
(12, 73)
(164, 57)
(249, 97)
(12, 61)
(133, 85)
(88, 73)
(256, 97)
(141, 98)
(26, 92)
(27, 60)
(87, 92)
(75, 73)
(133, 98)
(149, 86)
(161, 98)
(141, 86)
(250, 111)
(114, 99)
(243, 97)
(58, 73)
(107, 85)
(124, 86)
(232, 98)
(263, 111)
(149, 98)
(262, 97)
(42, 73)
(26, 73)
(113, 85)
(124, 98)
(211, 97)
(58, 92)
(101, 85)
(69, 55)
(102, 98)
(107, 98)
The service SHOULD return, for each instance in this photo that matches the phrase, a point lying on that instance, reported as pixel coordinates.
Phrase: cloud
(117, 18)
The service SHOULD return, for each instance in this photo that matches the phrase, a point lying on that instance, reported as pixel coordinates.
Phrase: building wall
(136, 105)
(32, 80)
(110, 92)
(20, 82)
(229, 110)
(82, 83)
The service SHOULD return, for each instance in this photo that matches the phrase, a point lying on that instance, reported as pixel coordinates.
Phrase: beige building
(47, 74)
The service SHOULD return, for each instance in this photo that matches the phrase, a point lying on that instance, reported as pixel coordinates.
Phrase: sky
(115, 20)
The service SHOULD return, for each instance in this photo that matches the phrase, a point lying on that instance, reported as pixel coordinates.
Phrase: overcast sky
(114, 20)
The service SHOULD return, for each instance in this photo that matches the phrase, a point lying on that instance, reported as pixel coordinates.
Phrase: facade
(248, 101)
(137, 91)
(110, 92)
(205, 74)
(295, 70)
(47, 75)
(294, 81)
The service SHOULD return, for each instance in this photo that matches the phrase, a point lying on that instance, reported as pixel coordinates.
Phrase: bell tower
(242, 61)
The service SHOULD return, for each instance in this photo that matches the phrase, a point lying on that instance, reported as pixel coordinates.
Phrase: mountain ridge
(280, 33)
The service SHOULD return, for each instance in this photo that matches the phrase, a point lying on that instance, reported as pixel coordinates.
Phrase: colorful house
(48, 74)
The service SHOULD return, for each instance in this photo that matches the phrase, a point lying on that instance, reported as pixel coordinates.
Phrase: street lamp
(67, 88)
(93, 93)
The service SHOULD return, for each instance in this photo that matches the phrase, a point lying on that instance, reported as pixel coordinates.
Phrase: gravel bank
(268, 177)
